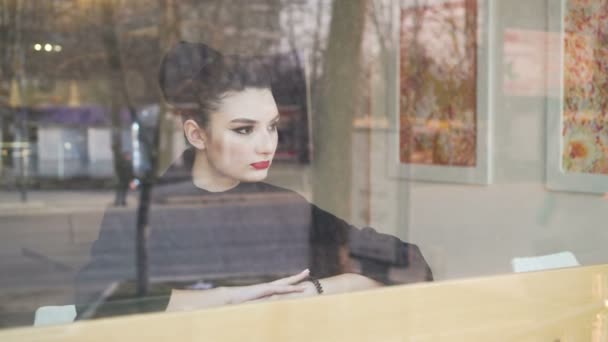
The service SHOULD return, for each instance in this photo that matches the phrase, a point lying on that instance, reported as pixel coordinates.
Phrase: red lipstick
(261, 165)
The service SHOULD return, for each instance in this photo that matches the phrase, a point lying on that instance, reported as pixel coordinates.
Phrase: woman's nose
(266, 143)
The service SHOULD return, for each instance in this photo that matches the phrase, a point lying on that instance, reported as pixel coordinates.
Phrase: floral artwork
(585, 112)
(438, 83)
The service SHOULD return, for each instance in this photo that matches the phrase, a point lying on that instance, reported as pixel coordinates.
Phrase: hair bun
(182, 68)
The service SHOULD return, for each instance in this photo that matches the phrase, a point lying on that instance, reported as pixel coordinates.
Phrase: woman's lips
(261, 165)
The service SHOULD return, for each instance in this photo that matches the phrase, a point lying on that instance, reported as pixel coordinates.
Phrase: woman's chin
(256, 176)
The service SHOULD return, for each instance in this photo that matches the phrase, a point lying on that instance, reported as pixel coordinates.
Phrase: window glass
(163, 155)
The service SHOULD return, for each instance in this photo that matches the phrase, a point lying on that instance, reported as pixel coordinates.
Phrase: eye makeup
(249, 125)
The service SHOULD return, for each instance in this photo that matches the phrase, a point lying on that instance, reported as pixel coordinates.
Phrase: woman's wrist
(317, 285)
(346, 282)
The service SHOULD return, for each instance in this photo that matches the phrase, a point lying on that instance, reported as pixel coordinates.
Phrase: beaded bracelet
(317, 285)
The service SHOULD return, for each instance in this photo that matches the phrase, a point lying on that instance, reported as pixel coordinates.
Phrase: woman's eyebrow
(251, 121)
(243, 121)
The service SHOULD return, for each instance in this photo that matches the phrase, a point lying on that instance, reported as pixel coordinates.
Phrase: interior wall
(466, 230)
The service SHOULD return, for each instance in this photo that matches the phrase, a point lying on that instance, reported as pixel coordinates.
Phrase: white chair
(544, 262)
(51, 315)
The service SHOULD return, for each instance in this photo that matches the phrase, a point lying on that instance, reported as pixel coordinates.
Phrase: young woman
(233, 225)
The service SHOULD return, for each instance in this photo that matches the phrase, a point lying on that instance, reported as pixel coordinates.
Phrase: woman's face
(241, 137)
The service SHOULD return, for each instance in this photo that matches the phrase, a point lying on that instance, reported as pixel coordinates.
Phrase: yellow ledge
(560, 305)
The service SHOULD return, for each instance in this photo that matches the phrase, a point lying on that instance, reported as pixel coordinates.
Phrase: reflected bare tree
(119, 98)
(168, 34)
(332, 122)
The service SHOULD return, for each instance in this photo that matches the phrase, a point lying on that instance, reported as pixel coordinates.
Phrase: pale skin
(228, 151)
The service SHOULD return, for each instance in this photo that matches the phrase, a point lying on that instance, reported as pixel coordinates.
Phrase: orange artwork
(438, 84)
(585, 115)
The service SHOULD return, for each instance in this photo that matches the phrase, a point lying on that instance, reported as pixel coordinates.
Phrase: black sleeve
(387, 259)
(112, 259)
(381, 257)
(107, 285)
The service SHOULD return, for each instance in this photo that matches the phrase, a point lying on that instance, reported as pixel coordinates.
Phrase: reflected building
(75, 121)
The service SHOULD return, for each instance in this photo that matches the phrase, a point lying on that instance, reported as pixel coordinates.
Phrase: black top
(253, 232)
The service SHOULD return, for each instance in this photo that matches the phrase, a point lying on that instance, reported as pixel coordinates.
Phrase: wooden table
(560, 305)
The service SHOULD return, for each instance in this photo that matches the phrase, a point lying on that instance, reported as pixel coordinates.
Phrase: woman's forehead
(251, 103)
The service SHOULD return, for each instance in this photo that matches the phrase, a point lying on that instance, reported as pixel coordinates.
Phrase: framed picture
(443, 92)
(577, 117)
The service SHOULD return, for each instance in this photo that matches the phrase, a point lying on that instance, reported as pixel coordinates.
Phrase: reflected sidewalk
(58, 201)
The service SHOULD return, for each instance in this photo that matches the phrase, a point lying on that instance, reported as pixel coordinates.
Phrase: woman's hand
(342, 283)
(197, 299)
(308, 289)
(283, 286)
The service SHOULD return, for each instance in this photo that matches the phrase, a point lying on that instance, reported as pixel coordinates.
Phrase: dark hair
(194, 78)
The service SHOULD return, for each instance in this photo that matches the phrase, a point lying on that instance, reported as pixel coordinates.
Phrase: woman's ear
(195, 134)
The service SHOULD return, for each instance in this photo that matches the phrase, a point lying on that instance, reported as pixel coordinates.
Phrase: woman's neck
(204, 176)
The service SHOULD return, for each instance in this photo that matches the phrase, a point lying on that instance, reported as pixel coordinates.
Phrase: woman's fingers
(273, 289)
(281, 286)
(294, 279)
